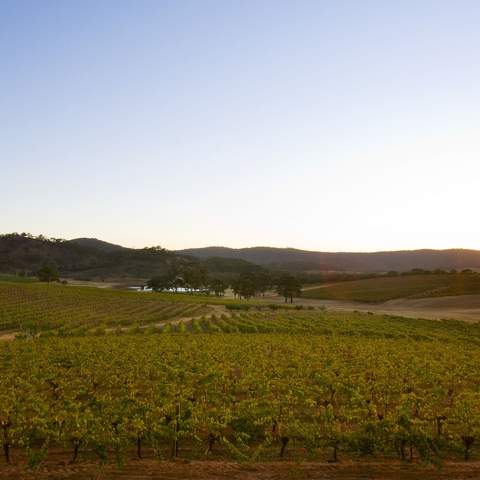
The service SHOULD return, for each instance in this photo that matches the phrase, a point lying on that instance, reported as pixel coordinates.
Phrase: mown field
(254, 386)
(388, 288)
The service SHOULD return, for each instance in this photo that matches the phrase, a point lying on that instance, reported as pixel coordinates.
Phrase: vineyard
(382, 289)
(253, 385)
(35, 307)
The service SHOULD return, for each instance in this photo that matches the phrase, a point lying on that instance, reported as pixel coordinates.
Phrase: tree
(161, 282)
(48, 273)
(288, 286)
(195, 276)
(178, 282)
(250, 284)
(217, 286)
(263, 282)
(245, 285)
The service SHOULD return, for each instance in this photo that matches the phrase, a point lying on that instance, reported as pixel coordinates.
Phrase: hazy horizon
(325, 126)
(291, 247)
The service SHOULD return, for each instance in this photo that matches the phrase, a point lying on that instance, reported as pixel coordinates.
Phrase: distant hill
(90, 258)
(93, 259)
(83, 258)
(309, 261)
(97, 244)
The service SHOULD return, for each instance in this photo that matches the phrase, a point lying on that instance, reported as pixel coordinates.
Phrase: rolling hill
(97, 244)
(375, 262)
(95, 259)
(381, 289)
(92, 259)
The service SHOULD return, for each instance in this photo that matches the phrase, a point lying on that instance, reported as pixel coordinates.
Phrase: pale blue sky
(326, 125)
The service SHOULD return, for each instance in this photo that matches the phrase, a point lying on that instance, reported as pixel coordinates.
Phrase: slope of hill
(95, 259)
(92, 259)
(388, 288)
(97, 244)
(303, 260)
(23, 253)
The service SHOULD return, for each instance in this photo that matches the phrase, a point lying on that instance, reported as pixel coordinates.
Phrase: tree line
(196, 279)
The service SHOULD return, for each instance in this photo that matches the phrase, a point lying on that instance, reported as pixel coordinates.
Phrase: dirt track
(8, 336)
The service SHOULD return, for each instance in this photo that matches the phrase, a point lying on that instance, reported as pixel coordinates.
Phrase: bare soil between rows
(219, 470)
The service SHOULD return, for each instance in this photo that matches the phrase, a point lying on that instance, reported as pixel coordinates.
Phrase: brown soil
(8, 336)
(210, 470)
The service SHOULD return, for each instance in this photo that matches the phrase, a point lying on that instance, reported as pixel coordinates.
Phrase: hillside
(374, 262)
(97, 244)
(92, 259)
(388, 288)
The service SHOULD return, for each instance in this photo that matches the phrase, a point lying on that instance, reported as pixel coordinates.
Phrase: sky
(322, 125)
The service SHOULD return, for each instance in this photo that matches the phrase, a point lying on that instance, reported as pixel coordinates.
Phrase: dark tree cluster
(196, 279)
(48, 273)
(254, 284)
(192, 278)
(251, 284)
(30, 236)
(288, 287)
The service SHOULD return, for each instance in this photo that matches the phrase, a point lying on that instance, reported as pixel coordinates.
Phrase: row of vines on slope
(35, 307)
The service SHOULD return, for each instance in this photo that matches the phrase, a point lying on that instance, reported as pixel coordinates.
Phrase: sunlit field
(388, 288)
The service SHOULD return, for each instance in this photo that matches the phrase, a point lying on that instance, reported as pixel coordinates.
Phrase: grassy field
(5, 277)
(388, 288)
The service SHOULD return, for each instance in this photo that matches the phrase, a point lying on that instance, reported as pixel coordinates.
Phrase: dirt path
(316, 287)
(7, 337)
(218, 470)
